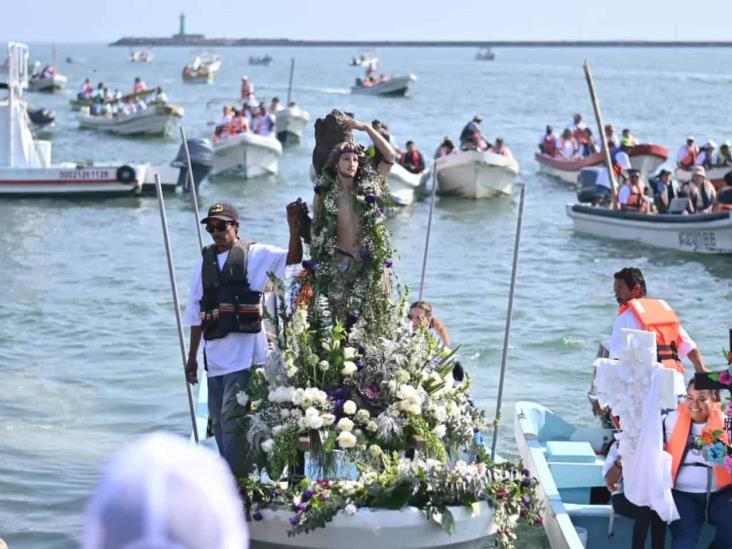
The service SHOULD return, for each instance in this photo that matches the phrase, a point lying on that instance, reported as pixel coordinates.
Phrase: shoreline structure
(200, 40)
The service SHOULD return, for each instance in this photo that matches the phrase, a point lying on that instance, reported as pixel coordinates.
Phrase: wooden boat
(715, 175)
(394, 86)
(709, 233)
(476, 174)
(368, 528)
(246, 154)
(568, 462)
(644, 157)
(157, 119)
(201, 70)
(290, 123)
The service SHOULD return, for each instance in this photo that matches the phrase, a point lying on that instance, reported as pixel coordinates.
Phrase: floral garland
(716, 444)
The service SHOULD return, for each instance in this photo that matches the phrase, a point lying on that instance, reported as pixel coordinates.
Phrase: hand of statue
(353, 124)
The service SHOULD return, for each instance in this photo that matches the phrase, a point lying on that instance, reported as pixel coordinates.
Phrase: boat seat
(575, 510)
(574, 464)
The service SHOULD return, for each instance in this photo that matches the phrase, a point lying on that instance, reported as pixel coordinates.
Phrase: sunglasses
(221, 227)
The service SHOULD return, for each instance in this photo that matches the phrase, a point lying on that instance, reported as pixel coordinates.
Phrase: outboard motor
(40, 118)
(201, 151)
(588, 190)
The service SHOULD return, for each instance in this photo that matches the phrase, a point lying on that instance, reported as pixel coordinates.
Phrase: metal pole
(289, 86)
(601, 129)
(192, 183)
(429, 228)
(174, 289)
(507, 333)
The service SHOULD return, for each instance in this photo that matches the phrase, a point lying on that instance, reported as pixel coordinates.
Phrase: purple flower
(388, 263)
(294, 520)
(725, 378)
(325, 497)
(360, 364)
(501, 493)
(316, 189)
(526, 500)
(526, 472)
(362, 348)
(364, 255)
(351, 319)
(340, 393)
(526, 482)
(381, 209)
(371, 198)
(257, 516)
(306, 495)
(298, 507)
(371, 390)
(310, 265)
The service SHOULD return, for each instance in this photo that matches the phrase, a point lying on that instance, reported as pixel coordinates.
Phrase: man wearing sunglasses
(225, 308)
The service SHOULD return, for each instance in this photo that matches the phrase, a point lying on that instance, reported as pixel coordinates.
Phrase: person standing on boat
(590, 145)
(687, 155)
(620, 157)
(610, 134)
(548, 142)
(567, 146)
(247, 91)
(702, 491)
(225, 309)
(412, 160)
(638, 312)
(626, 134)
(706, 155)
(471, 133)
(578, 129)
(139, 85)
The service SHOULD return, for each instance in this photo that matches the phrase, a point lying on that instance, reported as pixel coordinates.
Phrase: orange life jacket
(636, 200)
(580, 136)
(656, 316)
(550, 145)
(690, 159)
(680, 436)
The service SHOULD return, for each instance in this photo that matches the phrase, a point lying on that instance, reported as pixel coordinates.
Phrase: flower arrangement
(350, 379)
(716, 444)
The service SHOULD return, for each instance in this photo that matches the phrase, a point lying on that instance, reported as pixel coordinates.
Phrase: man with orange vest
(687, 155)
(637, 312)
(702, 491)
(412, 160)
(548, 142)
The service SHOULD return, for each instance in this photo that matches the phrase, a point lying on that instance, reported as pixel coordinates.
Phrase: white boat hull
(699, 233)
(369, 529)
(246, 154)
(395, 86)
(54, 83)
(290, 124)
(68, 180)
(403, 184)
(476, 174)
(151, 121)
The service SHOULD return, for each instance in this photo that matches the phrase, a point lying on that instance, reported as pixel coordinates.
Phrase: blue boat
(567, 460)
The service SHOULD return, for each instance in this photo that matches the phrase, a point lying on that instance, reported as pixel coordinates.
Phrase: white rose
(415, 409)
(349, 368)
(346, 440)
(439, 431)
(440, 414)
(285, 413)
(314, 422)
(349, 407)
(297, 396)
(345, 424)
(350, 509)
(349, 353)
(242, 398)
(277, 429)
(268, 445)
(328, 419)
(311, 412)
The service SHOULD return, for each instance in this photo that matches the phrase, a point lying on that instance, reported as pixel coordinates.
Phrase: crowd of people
(104, 102)
(259, 119)
(578, 141)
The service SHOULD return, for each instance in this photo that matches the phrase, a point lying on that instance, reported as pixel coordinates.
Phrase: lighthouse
(182, 24)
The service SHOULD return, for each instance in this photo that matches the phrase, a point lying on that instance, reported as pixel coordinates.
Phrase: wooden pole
(429, 229)
(289, 86)
(509, 313)
(603, 138)
(176, 306)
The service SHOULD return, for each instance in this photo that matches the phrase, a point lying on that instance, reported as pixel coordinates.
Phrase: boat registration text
(698, 239)
(86, 174)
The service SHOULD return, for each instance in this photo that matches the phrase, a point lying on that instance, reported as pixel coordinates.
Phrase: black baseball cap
(223, 211)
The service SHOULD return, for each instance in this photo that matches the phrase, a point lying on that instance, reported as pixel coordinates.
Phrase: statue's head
(345, 158)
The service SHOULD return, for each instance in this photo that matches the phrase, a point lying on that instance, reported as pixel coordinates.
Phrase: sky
(106, 20)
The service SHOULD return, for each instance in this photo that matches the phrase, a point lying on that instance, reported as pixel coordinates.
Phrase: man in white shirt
(629, 284)
(225, 308)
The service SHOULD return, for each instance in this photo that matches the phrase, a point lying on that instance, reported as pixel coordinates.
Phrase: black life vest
(228, 304)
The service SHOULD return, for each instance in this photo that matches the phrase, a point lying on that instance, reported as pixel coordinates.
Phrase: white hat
(161, 492)
(710, 144)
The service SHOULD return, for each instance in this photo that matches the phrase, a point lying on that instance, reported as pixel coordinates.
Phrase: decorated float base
(383, 529)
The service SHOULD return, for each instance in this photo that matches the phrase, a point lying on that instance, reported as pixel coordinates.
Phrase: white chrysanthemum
(346, 439)
(350, 509)
(440, 431)
(268, 445)
(440, 413)
(372, 426)
(297, 396)
(328, 419)
(345, 424)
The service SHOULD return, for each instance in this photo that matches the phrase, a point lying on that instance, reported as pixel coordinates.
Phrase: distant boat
(47, 80)
(202, 69)
(486, 54)
(156, 119)
(264, 60)
(143, 56)
(392, 86)
(290, 123)
(476, 174)
(364, 59)
(246, 154)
